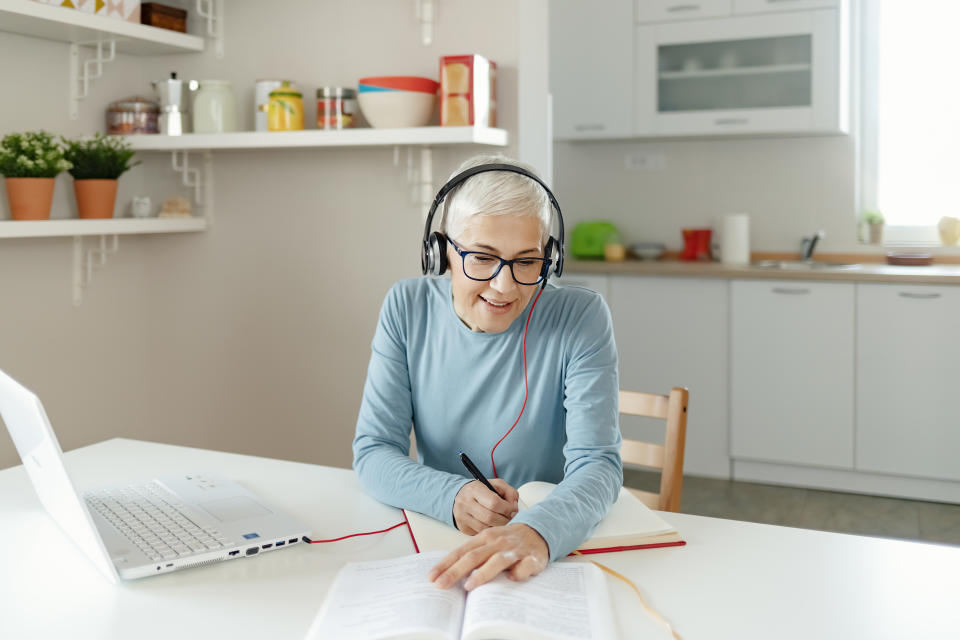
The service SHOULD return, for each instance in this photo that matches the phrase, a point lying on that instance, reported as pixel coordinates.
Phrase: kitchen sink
(797, 265)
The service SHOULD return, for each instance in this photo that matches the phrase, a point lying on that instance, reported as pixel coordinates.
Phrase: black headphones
(433, 252)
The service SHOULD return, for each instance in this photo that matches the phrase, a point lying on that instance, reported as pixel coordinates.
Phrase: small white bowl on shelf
(648, 250)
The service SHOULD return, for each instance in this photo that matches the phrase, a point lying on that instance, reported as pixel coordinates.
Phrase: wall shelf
(107, 227)
(51, 22)
(411, 136)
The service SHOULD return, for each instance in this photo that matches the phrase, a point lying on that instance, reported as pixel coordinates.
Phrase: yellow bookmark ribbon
(650, 610)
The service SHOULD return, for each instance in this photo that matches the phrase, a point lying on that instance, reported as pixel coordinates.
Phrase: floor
(812, 509)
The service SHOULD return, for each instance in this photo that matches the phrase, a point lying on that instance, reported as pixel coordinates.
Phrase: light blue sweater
(462, 389)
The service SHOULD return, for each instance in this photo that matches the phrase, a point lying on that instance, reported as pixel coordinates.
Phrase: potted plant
(97, 164)
(874, 221)
(30, 163)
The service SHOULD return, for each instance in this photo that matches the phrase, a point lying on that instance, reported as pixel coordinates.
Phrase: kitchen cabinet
(908, 372)
(672, 332)
(792, 372)
(591, 69)
(779, 72)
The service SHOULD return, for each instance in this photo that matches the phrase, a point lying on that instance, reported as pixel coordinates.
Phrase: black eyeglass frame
(544, 267)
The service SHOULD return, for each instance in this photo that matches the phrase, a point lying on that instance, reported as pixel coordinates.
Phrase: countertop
(942, 274)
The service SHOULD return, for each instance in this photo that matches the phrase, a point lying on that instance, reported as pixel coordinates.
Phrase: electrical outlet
(645, 161)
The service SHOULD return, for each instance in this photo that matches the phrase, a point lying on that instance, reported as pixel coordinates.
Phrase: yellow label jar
(285, 109)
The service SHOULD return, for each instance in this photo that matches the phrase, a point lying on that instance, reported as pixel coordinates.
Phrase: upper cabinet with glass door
(763, 70)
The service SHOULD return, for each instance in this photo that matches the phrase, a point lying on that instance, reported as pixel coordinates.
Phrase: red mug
(696, 244)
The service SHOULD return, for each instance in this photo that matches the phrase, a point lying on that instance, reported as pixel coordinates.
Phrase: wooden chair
(667, 457)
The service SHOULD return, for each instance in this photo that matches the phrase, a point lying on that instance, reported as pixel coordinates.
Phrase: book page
(566, 601)
(390, 599)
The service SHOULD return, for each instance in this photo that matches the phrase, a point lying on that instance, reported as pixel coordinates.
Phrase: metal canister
(336, 107)
(285, 109)
(261, 100)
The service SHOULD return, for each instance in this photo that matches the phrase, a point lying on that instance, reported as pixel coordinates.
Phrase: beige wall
(253, 336)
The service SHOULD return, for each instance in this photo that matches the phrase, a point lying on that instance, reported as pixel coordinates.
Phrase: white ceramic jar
(214, 107)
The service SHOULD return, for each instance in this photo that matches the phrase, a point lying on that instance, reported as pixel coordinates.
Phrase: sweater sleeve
(381, 445)
(593, 472)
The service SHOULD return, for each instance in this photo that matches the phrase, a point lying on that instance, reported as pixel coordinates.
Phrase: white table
(732, 580)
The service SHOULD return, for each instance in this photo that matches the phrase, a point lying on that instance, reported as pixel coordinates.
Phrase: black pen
(472, 468)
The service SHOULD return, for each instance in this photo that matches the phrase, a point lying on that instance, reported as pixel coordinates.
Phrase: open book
(392, 600)
(629, 524)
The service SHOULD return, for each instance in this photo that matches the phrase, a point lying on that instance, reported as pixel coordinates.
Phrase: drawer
(672, 10)
(766, 6)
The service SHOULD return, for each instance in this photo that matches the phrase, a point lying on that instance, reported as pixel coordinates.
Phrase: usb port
(292, 540)
(170, 564)
(281, 543)
(267, 546)
(233, 553)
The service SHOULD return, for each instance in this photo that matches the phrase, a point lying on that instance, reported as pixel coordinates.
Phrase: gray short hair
(495, 193)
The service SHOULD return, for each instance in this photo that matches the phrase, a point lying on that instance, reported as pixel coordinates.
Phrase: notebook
(392, 599)
(154, 526)
(629, 524)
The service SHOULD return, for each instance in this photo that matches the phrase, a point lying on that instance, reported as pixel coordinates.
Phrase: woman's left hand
(515, 548)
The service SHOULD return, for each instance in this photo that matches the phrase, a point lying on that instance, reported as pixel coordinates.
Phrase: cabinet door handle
(791, 291)
(589, 127)
(725, 121)
(919, 296)
(677, 8)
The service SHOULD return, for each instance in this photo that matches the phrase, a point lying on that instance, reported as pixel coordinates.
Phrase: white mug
(141, 207)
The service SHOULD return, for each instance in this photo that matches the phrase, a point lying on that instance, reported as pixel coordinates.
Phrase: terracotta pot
(95, 198)
(30, 198)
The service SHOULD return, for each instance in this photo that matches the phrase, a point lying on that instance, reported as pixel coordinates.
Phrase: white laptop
(160, 525)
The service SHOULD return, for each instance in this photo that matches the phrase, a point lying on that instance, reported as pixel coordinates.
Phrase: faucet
(808, 244)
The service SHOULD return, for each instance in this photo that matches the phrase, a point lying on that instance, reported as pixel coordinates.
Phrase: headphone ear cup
(548, 251)
(438, 251)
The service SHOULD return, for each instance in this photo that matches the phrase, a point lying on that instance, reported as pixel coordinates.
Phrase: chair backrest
(667, 457)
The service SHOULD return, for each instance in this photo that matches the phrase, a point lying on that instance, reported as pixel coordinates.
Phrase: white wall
(253, 336)
(790, 187)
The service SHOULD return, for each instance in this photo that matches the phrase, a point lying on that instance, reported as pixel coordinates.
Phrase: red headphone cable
(525, 389)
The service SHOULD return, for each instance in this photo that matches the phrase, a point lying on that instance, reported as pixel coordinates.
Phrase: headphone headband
(437, 263)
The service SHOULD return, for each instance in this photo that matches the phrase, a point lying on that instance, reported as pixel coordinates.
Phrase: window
(910, 115)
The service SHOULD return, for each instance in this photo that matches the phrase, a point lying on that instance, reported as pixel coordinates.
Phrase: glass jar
(214, 107)
(336, 107)
(133, 115)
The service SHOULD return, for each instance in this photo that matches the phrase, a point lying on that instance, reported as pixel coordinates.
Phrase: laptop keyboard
(150, 517)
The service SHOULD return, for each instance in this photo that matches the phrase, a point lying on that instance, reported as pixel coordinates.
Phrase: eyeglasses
(481, 266)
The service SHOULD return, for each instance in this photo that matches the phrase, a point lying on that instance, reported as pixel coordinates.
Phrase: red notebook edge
(632, 547)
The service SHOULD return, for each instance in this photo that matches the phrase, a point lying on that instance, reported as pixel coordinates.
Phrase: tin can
(261, 98)
(285, 109)
(336, 107)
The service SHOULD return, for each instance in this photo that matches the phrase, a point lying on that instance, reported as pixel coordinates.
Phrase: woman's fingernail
(443, 582)
(469, 584)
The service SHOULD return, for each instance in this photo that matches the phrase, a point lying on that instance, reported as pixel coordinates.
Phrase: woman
(448, 358)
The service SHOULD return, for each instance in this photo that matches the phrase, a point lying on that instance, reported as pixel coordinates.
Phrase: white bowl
(391, 109)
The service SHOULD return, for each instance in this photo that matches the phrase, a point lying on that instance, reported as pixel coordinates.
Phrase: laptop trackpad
(233, 509)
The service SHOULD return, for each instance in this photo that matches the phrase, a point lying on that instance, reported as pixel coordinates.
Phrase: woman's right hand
(477, 508)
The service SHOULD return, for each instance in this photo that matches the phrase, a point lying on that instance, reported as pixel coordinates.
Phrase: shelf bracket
(212, 11)
(427, 17)
(190, 177)
(84, 262)
(91, 69)
(419, 175)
